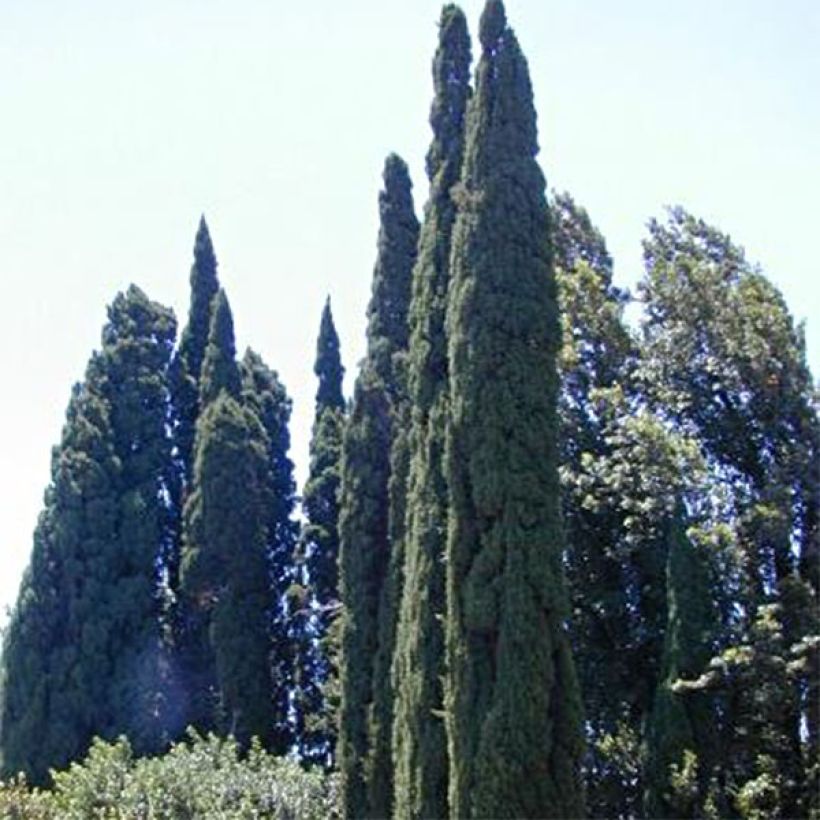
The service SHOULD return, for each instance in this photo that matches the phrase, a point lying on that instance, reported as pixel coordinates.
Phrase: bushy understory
(203, 777)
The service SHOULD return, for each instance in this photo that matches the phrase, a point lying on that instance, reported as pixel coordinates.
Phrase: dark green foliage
(328, 366)
(419, 626)
(387, 326)
(219, 369)
(224, 580)
(266, 397)
(419, 739)
(321, 496)
(319, 553)
(364, 555)
(379, 765)
(512, 754)
(187, 363)
(224, 571)
(199, 778)
(368, 528)
(83, 654)
(678, 725)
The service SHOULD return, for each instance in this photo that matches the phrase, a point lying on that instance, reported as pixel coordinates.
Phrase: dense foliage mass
(316, 696)
(551, 562)
(506, 601)
(201, 777)
(370, 559)
(82, 655)
(419, 738)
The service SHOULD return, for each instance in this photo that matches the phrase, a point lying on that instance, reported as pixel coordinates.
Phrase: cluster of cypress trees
(549, 565)
(451, 540)
(155, 596)
(685, 457)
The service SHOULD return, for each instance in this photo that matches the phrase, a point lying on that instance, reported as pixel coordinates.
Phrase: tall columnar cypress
(328, 365)
(187, 364)
(319, 554)
(369, 559)
(265, 396)
(320, 498)
(419, 739)
(185, 374)
(513, 703)
(82, 655)
(679, 725)
(224, 570)
(364, 554)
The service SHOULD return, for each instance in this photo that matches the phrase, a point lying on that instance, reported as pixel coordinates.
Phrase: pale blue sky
(122, 122)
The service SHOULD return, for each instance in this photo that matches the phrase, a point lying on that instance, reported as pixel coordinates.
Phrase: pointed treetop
(398, 236)
(398, 188)
(204, 257)
(328, 367)
(219, 369)
(503, 83)
(451, 82)
(492, 25)
(204, 285)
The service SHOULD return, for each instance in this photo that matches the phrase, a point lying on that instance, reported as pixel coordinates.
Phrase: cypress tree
(46, 718)
(137, 349)
(319, 553)
(364, 553)
(328, 365)
(419, 739)
(219, 368)
(187, 363)
(369, 560)
(265, 396)
(680, 726)
(224, 570)
(321, 537)
(513, 703)
(185, 374)
(82, 655)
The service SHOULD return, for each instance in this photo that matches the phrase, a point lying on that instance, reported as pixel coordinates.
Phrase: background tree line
(551, 563)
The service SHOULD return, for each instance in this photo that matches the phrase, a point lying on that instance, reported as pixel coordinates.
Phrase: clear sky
(121, 122)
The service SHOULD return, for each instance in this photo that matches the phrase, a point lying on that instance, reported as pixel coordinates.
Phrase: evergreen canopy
(506, 603)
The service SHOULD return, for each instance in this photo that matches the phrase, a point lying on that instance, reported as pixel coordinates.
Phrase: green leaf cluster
(200, 777)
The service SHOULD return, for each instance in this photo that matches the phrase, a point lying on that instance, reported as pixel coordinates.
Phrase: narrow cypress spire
(225, 587)
(419, 738)
(328, 366)
(219, 367)
(318, 557)
(513, 704)
(187, 364)
(370, 553)
(681, 725)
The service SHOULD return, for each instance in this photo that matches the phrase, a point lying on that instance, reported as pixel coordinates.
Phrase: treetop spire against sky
(125, 123)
